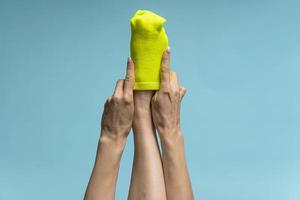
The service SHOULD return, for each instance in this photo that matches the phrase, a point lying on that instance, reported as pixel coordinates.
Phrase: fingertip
(166, 53)
(182, 92)
(130, 75)
(129, 60)
(168, 50)
(118, 82)
(130, 67)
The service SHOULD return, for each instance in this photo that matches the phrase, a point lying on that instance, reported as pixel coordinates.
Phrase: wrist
(170, 138)
(142, 120)
(142, 108)
(142, 112)
(142, 101)
(115, 141)
(171, 131)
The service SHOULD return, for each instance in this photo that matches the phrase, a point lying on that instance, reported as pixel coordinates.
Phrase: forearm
(102, 183)
(147, 176)
(178, 184)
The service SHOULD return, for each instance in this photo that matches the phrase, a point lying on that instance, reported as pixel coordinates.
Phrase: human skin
(152, 178)
(147, 181)
(115, 126)
(166, 117)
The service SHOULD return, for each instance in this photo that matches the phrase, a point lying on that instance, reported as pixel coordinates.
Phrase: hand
(166, 101)
(166, 117)
(118, 109)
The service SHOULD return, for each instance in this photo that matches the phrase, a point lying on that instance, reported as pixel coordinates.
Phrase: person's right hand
(166, 102)
(118, 109)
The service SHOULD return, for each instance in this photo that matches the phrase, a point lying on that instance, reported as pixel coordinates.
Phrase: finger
(129, 79)
(182, 92)
(174, 80)
(119, 88)
(165, 69)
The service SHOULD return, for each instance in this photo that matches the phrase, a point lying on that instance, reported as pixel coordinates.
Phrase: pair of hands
(165, 104)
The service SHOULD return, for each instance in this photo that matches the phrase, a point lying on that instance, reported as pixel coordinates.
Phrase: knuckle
(164, 68)
(128, 99)
(116, 98)
(128, 77)
(165, 91)
(119, 80)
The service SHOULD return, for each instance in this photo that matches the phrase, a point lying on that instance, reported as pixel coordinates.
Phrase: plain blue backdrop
(239, 60)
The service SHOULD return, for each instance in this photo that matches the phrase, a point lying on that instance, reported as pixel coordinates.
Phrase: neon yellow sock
(148, 42)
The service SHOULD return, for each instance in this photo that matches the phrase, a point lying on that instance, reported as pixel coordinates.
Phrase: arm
(147, 181)
(177, 179)
(166, 117)
(115, 126)
(104, 176)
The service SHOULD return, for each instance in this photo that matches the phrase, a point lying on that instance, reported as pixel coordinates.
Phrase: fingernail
(129, 59)
(169, 49)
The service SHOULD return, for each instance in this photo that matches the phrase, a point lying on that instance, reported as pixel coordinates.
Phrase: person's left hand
(119, 108)
(166, 101)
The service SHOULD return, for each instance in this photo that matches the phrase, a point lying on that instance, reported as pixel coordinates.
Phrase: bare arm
(177, 179)
(104, 176)
(147, 180)
(115, 126)
(166, 117)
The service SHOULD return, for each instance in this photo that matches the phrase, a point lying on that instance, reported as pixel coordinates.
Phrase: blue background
(239, 60)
